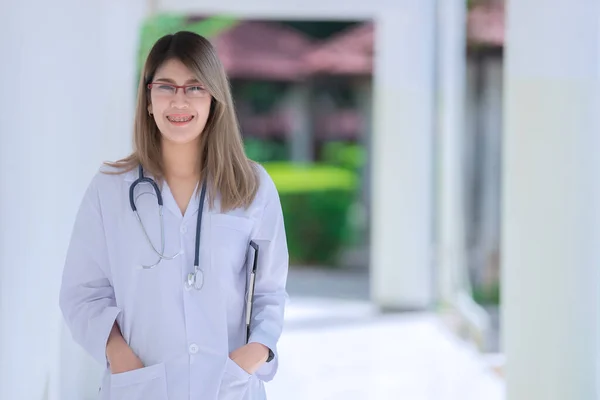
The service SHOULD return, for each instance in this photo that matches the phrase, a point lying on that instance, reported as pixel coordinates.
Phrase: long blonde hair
(222, 159)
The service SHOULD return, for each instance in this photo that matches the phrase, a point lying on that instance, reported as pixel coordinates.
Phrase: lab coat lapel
(169, 201)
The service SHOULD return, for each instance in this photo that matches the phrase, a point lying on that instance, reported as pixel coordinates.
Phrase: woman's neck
(180, 161)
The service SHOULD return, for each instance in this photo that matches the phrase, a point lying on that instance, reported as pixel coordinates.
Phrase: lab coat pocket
(147, 383)
(235, 382)
(241, 224)
(230, 236)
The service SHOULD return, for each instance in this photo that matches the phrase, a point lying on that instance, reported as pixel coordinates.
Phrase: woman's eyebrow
(192, 80)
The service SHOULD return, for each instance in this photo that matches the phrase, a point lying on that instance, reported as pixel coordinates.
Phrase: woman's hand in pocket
(250, 357)
(119, 355)
(124, 361)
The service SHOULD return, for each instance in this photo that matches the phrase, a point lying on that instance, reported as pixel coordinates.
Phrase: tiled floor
(337, 347)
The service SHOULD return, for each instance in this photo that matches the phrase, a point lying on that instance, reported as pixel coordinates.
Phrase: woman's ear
(150, 109)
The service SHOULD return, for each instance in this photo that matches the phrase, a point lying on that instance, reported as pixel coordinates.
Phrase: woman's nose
(179, 98)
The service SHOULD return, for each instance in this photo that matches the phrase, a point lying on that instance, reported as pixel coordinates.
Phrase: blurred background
(429, 155)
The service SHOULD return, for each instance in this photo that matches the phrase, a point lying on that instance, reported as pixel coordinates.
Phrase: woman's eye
(166, 88)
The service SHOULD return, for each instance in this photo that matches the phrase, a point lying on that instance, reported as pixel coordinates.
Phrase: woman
(161, 300)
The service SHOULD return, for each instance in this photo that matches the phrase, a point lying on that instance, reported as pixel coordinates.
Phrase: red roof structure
(272, 51)
(263, 50)
(485, 23)
(351, 51)
(347, 53)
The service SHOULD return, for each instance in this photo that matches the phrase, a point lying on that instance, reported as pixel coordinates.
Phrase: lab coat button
(193, 348)
(183, 229)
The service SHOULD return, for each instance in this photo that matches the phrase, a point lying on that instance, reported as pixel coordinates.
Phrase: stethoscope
(194, 279)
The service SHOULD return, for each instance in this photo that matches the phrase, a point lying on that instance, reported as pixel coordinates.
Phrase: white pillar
(451, 65)
(551, 198)
(401, 237)
(57, 124)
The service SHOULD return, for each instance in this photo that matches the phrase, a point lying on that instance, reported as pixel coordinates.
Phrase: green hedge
(487, 295)
(262, 151)
(344, 154)
(316, 200)
(351, 156)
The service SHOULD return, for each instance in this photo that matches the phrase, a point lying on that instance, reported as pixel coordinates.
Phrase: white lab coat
(182, 336)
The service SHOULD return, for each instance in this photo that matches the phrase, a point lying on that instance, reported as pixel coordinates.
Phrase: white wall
(551, 200)
(65, 106)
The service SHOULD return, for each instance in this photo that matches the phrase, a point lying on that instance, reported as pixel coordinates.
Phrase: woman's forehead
(175, 71)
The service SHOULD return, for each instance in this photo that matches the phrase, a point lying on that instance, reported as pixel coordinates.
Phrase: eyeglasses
(168, 90)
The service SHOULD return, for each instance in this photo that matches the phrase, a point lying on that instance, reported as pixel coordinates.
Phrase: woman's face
(179, 114)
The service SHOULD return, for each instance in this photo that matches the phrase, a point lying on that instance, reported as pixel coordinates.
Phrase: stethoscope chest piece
(195, 279)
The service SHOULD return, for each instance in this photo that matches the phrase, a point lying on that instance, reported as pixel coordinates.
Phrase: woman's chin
(180, 137)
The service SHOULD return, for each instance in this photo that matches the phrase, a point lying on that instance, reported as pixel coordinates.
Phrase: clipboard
(254, 248)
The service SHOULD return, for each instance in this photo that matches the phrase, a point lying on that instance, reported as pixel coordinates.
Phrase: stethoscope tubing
(195, 279)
